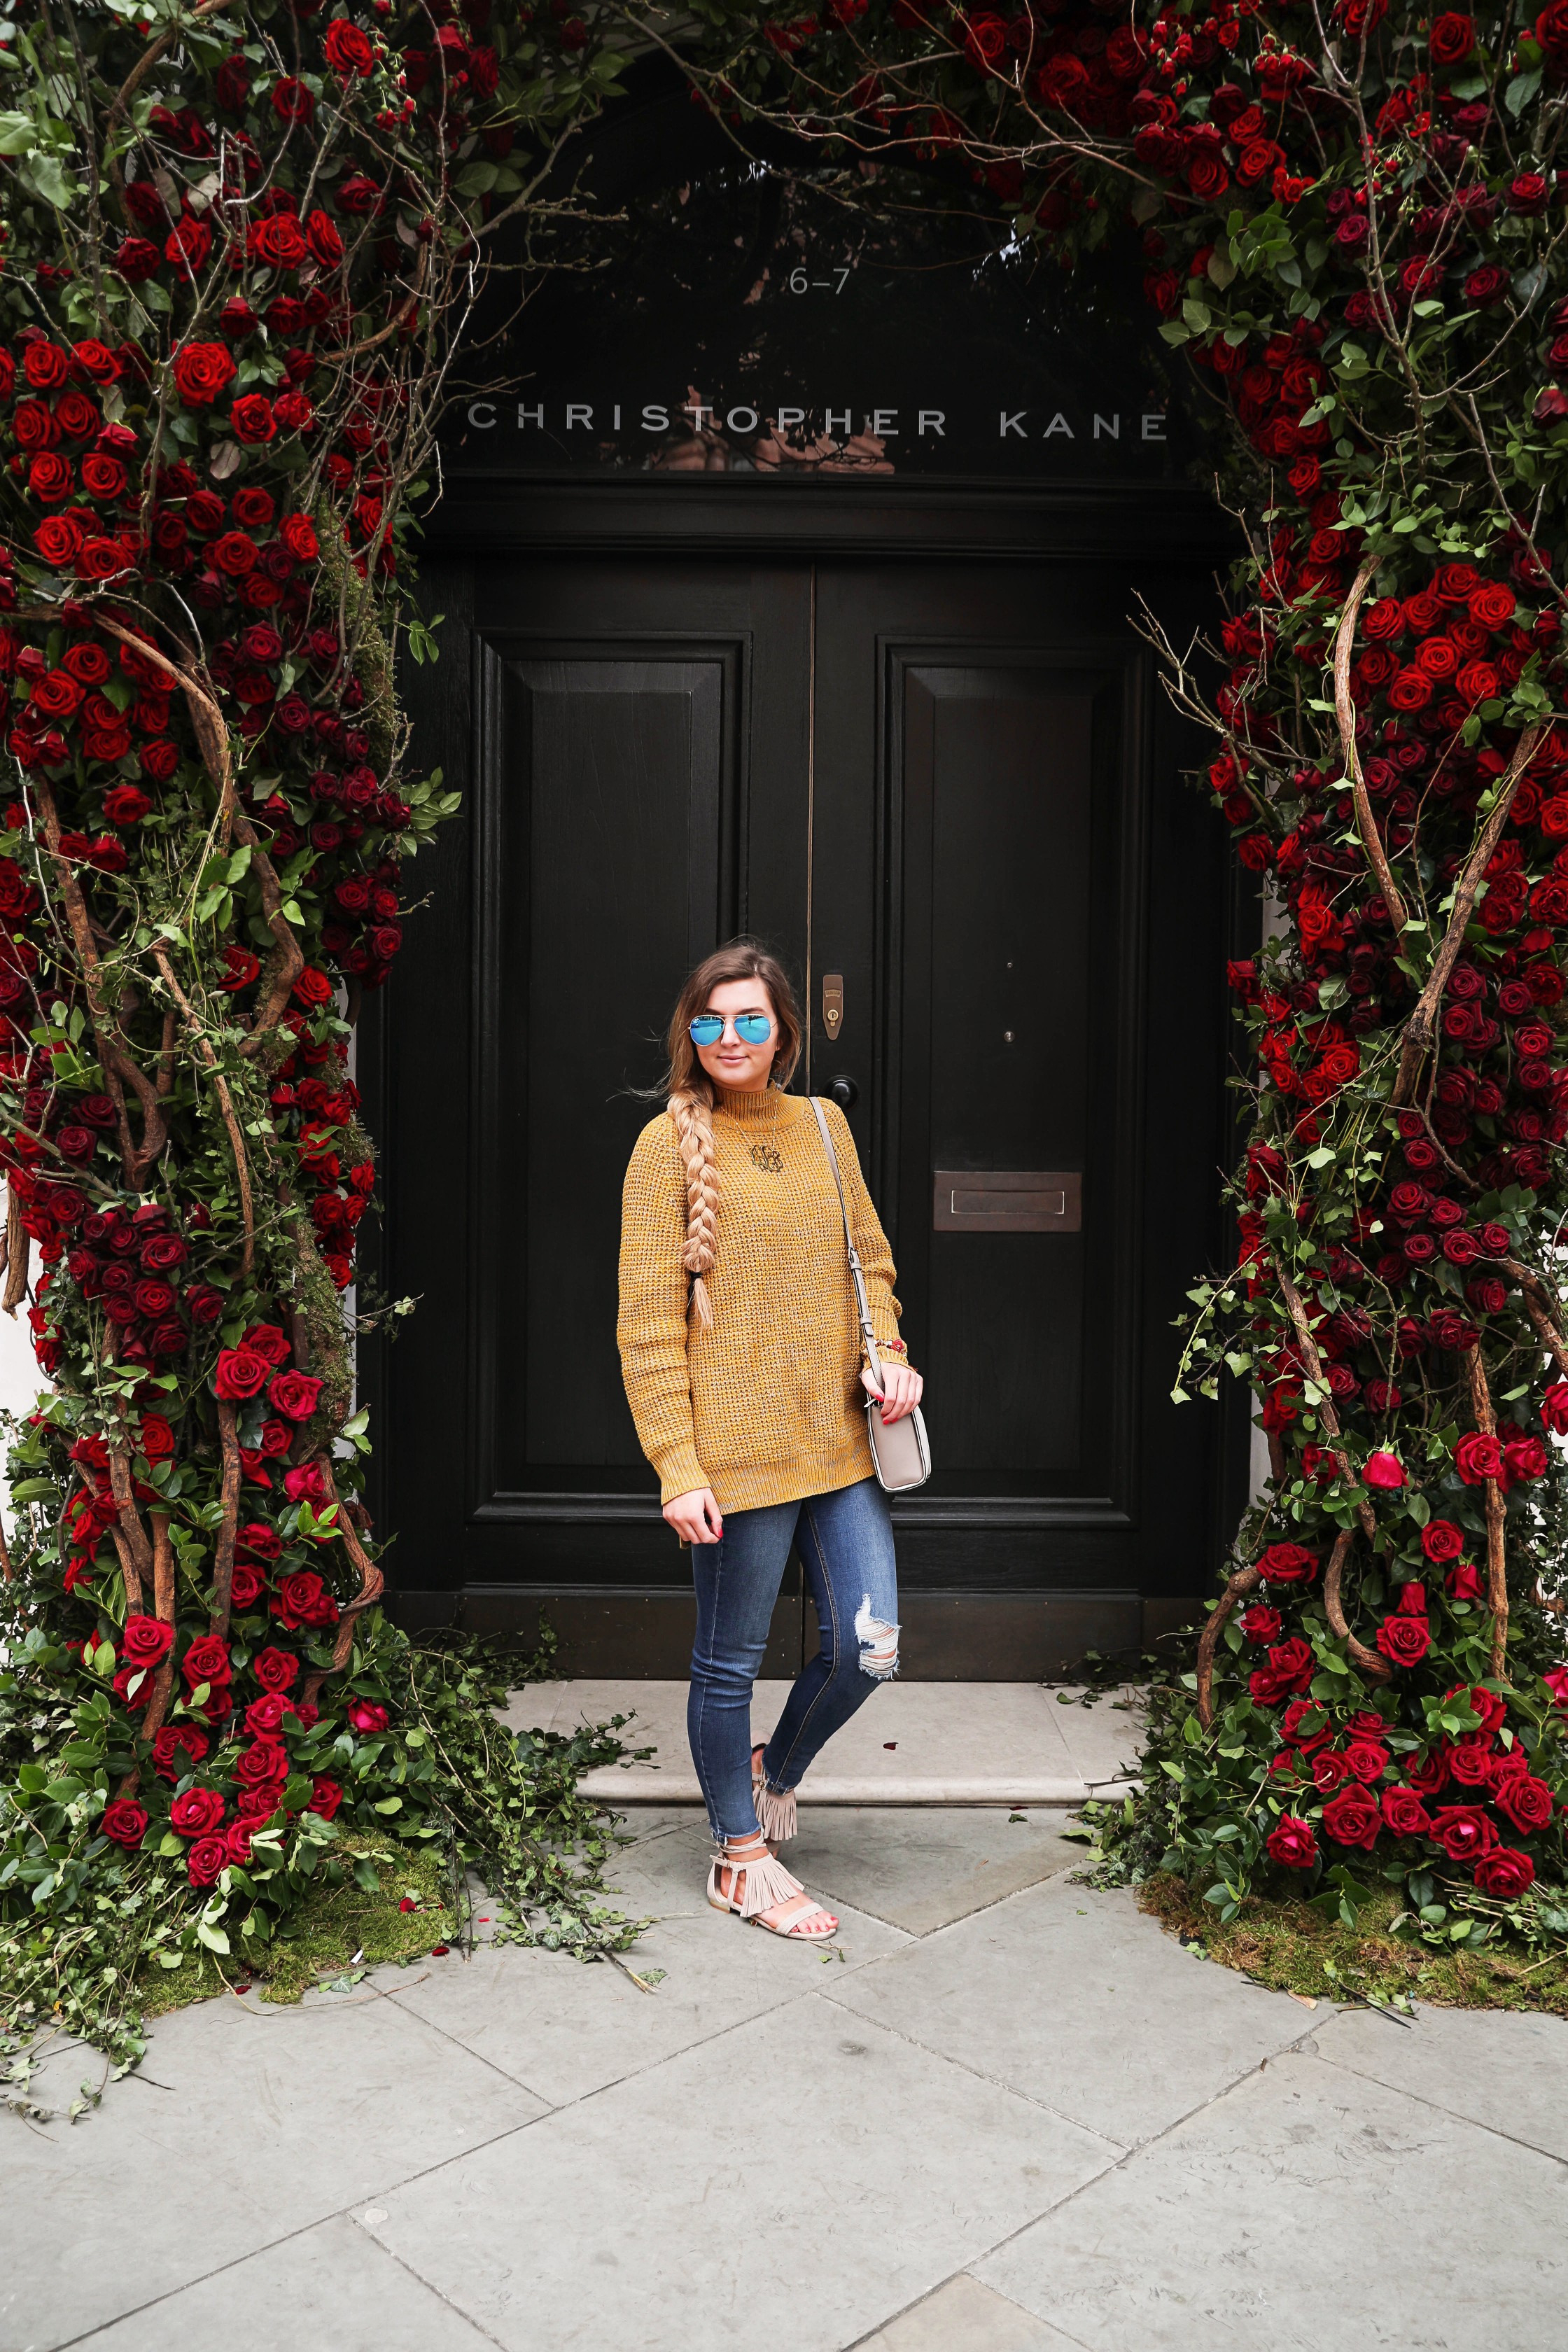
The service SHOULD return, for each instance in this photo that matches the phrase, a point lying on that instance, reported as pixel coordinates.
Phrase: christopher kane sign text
(886, 424)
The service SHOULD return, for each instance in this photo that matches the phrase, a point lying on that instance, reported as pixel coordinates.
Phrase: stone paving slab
(797, 2180)
(562, 2029)
(246, 2123)
(331, 2287)
(923, 1866)
(1076, 1999)
(911, 1744)
(1503, 2069)
(964, 2316)
(1309, 2211)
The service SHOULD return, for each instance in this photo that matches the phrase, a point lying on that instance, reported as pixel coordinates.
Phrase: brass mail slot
(1007, 1200)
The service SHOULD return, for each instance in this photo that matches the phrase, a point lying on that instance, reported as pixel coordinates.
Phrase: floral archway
(239, 258)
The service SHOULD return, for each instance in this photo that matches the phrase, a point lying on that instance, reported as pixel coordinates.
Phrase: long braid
(693, 1117)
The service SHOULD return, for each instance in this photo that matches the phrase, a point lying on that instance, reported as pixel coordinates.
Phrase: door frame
(1167, 529)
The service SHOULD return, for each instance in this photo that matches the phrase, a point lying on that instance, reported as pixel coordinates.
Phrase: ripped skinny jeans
(846, 1540)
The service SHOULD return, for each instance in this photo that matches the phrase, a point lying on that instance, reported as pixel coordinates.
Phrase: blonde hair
(690, 1091)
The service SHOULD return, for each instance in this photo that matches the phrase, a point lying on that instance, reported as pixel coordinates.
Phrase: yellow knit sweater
(767, 1405)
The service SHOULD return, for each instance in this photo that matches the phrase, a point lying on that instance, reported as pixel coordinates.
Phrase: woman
(739, 1346)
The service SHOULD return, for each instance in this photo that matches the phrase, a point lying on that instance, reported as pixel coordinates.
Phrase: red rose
(235, 554)
(207, 1860)
(1527, 194)
(1367, 1756)
(1384, 1471)
(265, 1761)
(1524, 1800)
(1331, 1770)
(1491, 1710)
(1441, 1540)
(206, 1661)
(201, 373)
(302, 1600)
(264, 1716)
(1405, 1640)
(1262, 1625)
(1477, 1458)
(297, 534)
(125, 803)
(322, 237)
(348, 50)
(45, 365)
(241, 1374)
(246, 1585)
(124, 1824)
(292, 101)
(278, 242)
(1353, 1818)
(367, 1715)
(1464, 1832)
(1405, 1813)
(1286, 1563)
(157, 1440)
(326, 1796)
(276, 1670)
(1292, 1844)
(196, 1813)
(49, 477)
(1525, 1458)
(295, 1394)
(312, 988)
(177, 1739)
(1551, 28)
(267, 1339)
(1505, 1872)
(1463, 1582)
(1297, 1718)
(251, 419)
(257, 1540)
(57, 540)
(146, 1642)
(1452, 36)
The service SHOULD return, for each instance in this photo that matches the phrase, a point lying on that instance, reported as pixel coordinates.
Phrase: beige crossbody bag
(902, 1453)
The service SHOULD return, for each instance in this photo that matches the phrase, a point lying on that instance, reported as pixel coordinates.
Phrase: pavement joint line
(965, 2270)
(1473, 2121)
(429, 2285)
(996, 2082)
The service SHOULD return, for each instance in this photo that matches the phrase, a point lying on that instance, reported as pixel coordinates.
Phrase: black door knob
(844, 1092)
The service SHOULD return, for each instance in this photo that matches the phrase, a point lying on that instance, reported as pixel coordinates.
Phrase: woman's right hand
(695, 1516)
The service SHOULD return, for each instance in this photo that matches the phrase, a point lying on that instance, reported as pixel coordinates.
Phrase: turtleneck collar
(737, 1104)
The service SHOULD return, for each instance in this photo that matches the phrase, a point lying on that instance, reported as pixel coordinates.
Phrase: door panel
(610, 776)
(984, 825)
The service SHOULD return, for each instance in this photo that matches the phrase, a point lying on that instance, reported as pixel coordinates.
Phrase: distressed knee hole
(879, 1643)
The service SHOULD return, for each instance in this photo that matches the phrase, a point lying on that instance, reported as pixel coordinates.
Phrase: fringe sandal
(758, 1883)
(776, 1807)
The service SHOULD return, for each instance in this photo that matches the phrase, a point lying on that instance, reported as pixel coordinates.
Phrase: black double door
(948, 795)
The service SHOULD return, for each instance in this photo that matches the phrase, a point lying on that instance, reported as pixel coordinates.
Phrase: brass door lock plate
(832, 1004)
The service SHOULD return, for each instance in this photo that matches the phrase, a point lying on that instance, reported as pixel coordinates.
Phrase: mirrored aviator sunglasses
(751, 1028)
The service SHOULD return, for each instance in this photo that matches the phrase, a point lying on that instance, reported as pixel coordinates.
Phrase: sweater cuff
(680, 1472)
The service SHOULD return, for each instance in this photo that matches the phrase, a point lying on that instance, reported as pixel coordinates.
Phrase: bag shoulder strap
(856, 1276)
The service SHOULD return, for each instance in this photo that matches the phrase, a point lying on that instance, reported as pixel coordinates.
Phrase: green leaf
(213, 1937)
(1520, 92)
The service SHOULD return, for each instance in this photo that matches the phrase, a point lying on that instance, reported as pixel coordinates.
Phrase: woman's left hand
(900, 1390)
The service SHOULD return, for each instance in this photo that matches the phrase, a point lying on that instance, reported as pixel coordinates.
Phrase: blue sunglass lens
(752, 1028)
